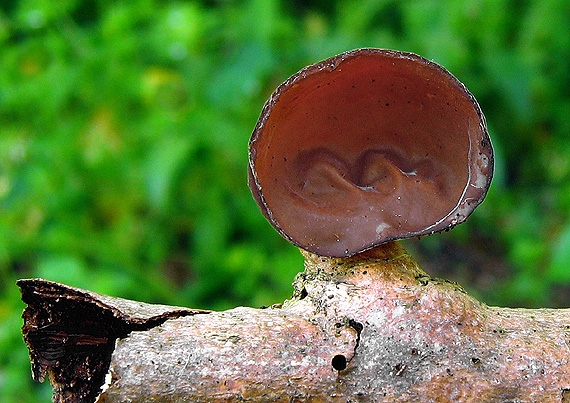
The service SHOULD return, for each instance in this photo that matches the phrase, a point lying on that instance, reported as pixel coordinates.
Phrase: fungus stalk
(373, 326)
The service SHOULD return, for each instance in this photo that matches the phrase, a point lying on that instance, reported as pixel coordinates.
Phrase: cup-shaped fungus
(368, 147)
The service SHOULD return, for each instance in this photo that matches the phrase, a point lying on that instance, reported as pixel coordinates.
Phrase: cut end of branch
(71, 334)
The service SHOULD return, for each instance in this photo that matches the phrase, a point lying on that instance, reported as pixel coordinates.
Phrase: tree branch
(370, 328)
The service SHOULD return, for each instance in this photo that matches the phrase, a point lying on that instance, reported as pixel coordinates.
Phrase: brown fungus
(368, 147)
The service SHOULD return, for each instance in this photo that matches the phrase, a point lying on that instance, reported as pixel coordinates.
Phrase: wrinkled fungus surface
(367, 147)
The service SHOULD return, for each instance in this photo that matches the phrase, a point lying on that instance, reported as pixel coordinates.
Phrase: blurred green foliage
(123, 146)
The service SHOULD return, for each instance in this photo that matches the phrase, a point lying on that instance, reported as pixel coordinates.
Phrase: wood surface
(370, 328)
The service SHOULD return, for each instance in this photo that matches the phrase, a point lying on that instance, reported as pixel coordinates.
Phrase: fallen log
(373, 327)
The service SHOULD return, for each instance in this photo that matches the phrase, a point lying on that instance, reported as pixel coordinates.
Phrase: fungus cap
(368, 147)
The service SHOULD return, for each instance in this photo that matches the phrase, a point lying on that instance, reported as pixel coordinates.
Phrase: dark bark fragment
(71, 334)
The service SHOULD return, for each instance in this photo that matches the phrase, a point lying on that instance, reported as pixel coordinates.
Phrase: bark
(371, 328)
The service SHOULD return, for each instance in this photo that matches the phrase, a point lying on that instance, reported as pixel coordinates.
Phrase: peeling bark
(370, 328)
(71, 334)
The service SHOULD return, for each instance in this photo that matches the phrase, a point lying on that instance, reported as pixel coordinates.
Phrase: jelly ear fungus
(368, 147)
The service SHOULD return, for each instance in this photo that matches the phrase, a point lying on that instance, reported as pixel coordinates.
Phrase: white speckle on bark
(398, 311)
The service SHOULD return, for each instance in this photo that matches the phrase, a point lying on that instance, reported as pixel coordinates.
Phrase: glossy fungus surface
(367, 147)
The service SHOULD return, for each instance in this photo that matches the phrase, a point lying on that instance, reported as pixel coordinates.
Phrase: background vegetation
(123, 146)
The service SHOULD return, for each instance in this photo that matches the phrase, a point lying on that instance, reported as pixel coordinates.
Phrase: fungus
(369, 147)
